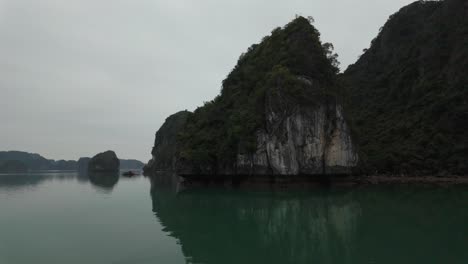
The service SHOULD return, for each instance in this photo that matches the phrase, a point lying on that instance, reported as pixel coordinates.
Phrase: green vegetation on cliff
(408, 92)
(227, 125)
(104, 162)
(166, 149)
(405, 100)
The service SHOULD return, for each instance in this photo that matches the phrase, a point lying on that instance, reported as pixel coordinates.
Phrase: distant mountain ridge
(128, 164)
(35, 161)
(21, 161)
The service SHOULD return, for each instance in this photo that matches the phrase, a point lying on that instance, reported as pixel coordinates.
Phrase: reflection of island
(19, 161)
(12, 181)
(104, 180)
(222, 226)
(31, 179)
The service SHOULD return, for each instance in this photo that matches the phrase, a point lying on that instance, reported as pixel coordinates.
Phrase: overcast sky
(78, 77)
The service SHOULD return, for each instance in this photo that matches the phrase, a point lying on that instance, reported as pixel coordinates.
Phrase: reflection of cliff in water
(31, 179)
(104, 180)
(222, 226)
(374, 224)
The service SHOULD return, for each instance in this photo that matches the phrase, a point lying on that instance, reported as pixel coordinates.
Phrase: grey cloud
(81, 76)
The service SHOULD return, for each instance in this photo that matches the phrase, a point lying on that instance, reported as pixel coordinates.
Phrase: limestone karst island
(285, 110)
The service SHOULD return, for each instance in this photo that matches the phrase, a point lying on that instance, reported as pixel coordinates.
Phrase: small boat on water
(130, 173)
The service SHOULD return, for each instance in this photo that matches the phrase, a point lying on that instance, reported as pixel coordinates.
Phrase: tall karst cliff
(277, 114)
(165, 152)
(408, 92)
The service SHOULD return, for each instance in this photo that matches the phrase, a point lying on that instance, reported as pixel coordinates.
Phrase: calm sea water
(61, 217)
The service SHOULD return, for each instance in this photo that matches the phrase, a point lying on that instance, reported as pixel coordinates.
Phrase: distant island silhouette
(20, 161)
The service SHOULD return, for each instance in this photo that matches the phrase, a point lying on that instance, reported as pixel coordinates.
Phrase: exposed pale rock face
(340, 153)
(297, 139)
(312, 139)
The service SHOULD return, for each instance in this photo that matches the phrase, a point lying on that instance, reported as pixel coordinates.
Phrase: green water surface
(62, 217)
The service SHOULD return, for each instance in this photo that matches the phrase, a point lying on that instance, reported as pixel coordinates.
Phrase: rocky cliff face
(296, 140)
(308, 140)
(165, 151)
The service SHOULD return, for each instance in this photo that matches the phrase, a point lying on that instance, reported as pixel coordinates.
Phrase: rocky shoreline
(326, 179)
(413, 180)
(262, 182)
